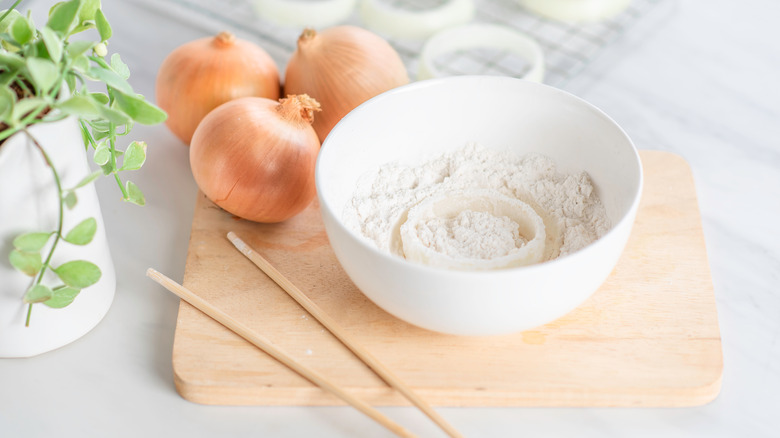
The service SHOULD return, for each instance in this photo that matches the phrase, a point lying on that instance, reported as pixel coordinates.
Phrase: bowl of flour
(478, 205)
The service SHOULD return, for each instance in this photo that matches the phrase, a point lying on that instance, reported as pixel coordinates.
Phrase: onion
(201, 75)
(255, 157)
(342, 67)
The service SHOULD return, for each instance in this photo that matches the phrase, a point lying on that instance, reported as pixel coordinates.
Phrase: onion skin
(255, 158)
(342, 67)
(200, 75)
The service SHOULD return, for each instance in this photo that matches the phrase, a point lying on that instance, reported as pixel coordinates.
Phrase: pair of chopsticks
(328, 322)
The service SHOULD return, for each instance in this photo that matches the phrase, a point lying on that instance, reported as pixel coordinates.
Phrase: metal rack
(568, 48)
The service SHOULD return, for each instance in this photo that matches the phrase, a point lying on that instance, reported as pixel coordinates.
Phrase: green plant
(44, 77)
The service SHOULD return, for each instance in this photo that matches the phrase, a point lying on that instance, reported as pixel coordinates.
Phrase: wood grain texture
(648, 337)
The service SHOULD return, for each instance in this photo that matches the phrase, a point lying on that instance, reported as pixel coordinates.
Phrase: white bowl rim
(543, 266)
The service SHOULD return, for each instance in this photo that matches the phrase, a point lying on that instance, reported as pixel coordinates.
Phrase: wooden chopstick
(329, 323)
(266, 345)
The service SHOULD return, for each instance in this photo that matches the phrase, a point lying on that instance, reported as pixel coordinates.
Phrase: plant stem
(112, 148)
(10, 9)
(60, 217)
(88, 135)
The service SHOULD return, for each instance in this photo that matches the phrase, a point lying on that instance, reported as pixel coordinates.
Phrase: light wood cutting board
(648, 337)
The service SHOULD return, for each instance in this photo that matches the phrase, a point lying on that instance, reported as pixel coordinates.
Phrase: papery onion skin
(342, 67)
(255, 161)
(200, 75)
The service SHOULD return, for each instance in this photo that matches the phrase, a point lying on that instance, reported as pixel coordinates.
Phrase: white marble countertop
(702, 83)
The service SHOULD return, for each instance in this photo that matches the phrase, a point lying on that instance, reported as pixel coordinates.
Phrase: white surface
(428, 118)
(702, 84)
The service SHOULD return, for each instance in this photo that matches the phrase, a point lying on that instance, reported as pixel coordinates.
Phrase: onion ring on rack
(305, 13)
(488, 36)
(576, 11)
(400, 23)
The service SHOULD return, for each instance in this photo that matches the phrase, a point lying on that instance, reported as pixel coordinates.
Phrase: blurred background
(698, 78)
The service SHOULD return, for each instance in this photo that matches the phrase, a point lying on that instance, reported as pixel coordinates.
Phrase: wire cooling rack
(568, 48)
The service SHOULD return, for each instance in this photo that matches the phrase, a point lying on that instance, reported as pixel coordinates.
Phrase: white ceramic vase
(28, 202)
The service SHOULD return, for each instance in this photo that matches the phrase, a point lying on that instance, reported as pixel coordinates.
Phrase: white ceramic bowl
(411, 123)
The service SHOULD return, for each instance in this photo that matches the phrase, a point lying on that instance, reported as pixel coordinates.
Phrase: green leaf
(78, 274)
(82, 27)
(82, 233)
(12, 60)
(81, 63)
(139, 109)
(134, 194)
(104, 29)
(101, 98)
(61, 297)
(38, 294)
(70, 79)
(28, 262)
(102, 155)
(77, 48)
(7, 100)
(53, 43)
(111, 79)
(115, 116)
(44, 73)
(88, 179)
(108, 168)
(63, 16)
(80, 106)
(88, 9)
(71, 200)
(6, 77)
(99, 125)
(5, 24)
(8, 43)
(31, 242)
(119, 66)
(135, 156)
(21, 30)
(25, 106)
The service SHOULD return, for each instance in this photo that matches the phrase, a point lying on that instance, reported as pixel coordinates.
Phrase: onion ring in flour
(530, 225)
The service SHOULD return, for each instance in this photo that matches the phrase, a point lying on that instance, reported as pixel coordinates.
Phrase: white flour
(573, 215)
(471, 235)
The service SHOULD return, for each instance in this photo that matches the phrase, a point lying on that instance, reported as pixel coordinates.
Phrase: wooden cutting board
(648, 337)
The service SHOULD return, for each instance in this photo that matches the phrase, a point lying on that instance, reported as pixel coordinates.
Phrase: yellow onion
(255, 157)
(342, 67)
(201, 75)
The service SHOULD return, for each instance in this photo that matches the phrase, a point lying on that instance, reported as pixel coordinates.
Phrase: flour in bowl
(573, 215)
(471, 234)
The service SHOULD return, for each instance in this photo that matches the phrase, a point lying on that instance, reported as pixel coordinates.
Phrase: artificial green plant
(45, 76)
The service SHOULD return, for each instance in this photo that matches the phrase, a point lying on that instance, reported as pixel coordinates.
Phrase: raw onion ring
(472, 36)
(305, 13)
(531, 227)
(576, 11)
(401, 23)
